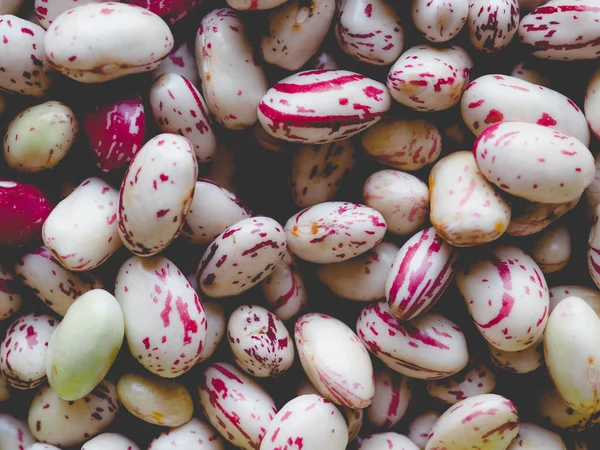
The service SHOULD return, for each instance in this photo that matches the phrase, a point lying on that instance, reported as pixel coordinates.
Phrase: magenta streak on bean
(319, 86)
(297, 120)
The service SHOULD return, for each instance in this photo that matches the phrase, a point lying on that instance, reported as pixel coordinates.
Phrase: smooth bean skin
(111, 42)
(592, 192)
(466, 210)
(323, 426)
(492, 23)
(410, 348)
(215, 329)
(325, 347)
(552, 251)
(253, 5)
(420, 428)
(476, 379)
(393, 394)
(180, 61)
(14, 433)
(438, 20)
(46, 12)
(400, 197)
(495, 98)
(523, 361)
(571, 355)
(524, 70)
(589, 295)
(391, 440)
(534, 437)
(591, 104)
(507, 296)
(487, 420)
(406, 145)
(10, 299)
(361, 278)
(554, 410)
(113, 441)
(194, 435)
(593, 253)
(529, 218)
(559, 167)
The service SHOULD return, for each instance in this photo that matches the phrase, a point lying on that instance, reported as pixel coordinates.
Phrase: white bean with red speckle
(217, 322)
(155, 400)
(236, 405)
(554, 410)
(400, 197)
(156, 194)
(39, 137)
(334, 231)
(389, 440)
(194, 435)
(593, 253)
(296, 31)
(589, 295)
(369, 31)
(307, 421)
(476, 379)
(107, 42)
(14, 433)
(592, 192)
(81, 231)
(318, 171)
(23, 65)
(10, 298)
(46, 12)
(466, 210)
(39, 446)
(552, 251)
(113, 441)
(563, 30)
(320, 106)
(260, 343)
(325, 61)
(525, 71)
(530, 217)
(429, 347)
(486, 420)
(406, 145)
(439, 20)
(241, 257)
(254, 5)
(552, 167)
(165, 322)
(335, 360)
(524, 361)
(213, 210)
(427, 78)
(52, 283)
(181, 61)
(393, 394)
(507, 297)
(179, 108)
(225, 58)
(284, 289)
(420, 428)
(421, 272)
(361, 278)
(572, 355)
(591, 105)
(492, 23)
(534, 437)
(496, 98)
(65, 424)
(24, 350)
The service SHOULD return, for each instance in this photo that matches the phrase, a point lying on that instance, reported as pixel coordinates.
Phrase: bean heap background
(261, 180)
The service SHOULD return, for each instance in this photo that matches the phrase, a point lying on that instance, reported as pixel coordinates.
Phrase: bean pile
(300, 225)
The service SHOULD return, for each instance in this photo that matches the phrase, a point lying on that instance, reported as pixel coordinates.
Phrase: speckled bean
(361, 278)
(589, 295)
(487, 421)
(591, 105)
(179, 108)
(492, 23)
(571, 353)
(155, 400)
(294, 426)
(401, 198)
(40, 446)
(24, 350)
(111, 42)
(318, 171)
(552, 251)
(421, 272)
(52, 283)
(254, 5)
(181, 61)
(524, 361)
(495, 98)
(334, 231)
(369, 31)
(592, 192)
(194, 435)
(593, 253)
(10, 297)
(389, 440)
(216, 324)
(112, 441)
(325, 345)
(156, 194)
(439, 20)
(406, 145)
(296, 31)
(534, 437)
(236, 405)
(558, 167)
(429, 347)
(530, 217)
(47, 11)
(319, 106)
(553, 409)
(427, 78)
(524, 70)
(476, 379)
(324, 61)
(393, 394)
(62, 423)
(420, 428)
(39, 137)
(225, 58)
(170, 11)
(466, 210)
(14, 433)
(81, 232)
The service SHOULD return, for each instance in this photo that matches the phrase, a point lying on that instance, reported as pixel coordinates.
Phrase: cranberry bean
(492, 23)
(552, 250)
(438, 20)
(393, 394)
